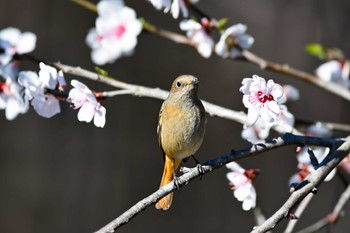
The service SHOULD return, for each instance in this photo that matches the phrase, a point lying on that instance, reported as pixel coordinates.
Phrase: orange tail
(168, 176)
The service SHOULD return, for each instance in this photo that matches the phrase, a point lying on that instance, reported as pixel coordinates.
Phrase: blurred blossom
(115, 34)
(50, 78)
(175, 6)
(305, 167)
(318, 130)
(232, 40)
(286, 118)
(199, 35)
(291, 92)
(258, 132)
(241, 182)
(335, 71)
(11, 93)
(82, 97)
(36, 89)
(262, 99)
(12, 42)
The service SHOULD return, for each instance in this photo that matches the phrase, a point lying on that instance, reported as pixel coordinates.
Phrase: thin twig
(175, 37)
(116, 92)
(287, 139)
(249, 56)
(157, 93)
(299, 211)
(332, 217)
(259, 215)
(325, 124)
(86, 4)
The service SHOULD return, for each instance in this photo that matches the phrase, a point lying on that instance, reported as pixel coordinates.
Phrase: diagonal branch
(332, 217)
(299, 211)
(247, 55)
(192, 173)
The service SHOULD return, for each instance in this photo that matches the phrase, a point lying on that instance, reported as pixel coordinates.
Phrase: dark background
(61, 175)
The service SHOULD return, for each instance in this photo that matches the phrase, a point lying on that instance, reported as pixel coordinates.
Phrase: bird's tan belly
(179, 136)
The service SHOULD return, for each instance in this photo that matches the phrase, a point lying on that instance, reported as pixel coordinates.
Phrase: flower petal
(86, 112)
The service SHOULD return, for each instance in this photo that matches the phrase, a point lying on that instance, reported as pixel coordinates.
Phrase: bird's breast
(182, 130)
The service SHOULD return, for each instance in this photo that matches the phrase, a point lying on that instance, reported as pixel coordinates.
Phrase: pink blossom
(12, 41)
(82, 97)
(262, 99)
(241, 181)
(115, 34)
(199, 35)
(232, 40)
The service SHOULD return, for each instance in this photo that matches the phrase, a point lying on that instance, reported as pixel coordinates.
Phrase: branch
(327, 125)
(301, 207)
(261, 62)
(157, 93)
(192, 173)
(332, 217)
(327, 165)
(248, 56)
(290, 71)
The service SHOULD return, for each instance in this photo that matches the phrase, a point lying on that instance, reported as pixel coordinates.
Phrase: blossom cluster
(43, 90)
(117, 28)
(265, 104)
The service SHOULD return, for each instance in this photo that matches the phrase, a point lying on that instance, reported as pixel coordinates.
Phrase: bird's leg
(176, 179)
(199, 167)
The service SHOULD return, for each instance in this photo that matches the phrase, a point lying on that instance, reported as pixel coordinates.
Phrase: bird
(180, 129)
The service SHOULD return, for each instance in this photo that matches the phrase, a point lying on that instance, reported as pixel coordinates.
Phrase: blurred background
(61, 175)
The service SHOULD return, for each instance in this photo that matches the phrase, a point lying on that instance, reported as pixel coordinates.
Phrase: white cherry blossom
(232, 40)
(174, 6)
(242, 186)
(258, 132)
(335, 71)
(36, 89)
(12, 42)
(262, 99)
(11, 93)
(199, 35)
(305, 168)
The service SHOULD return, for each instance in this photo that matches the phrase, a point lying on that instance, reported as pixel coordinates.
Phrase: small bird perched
(181, 128)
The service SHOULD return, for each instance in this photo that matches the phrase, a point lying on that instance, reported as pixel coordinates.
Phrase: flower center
(263, 98)
(2, 87)
(118, 31)
(251, 173)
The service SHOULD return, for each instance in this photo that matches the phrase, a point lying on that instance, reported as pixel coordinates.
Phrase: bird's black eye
(178, 84)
